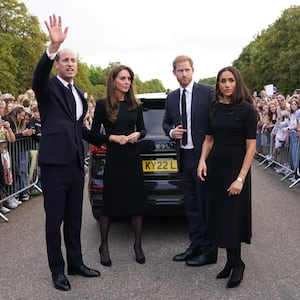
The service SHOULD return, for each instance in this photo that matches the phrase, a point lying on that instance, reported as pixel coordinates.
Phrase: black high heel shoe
(236, 275)
(104, 258)
(226, 271)
(139, 255)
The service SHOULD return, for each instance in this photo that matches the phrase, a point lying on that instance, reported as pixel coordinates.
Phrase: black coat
(61, 134)
(200, 106)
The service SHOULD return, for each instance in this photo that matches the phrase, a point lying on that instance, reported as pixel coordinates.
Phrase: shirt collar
(189, 88)
(65, 83)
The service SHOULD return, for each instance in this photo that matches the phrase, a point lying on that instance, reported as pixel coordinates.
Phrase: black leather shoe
(61, 282)
(83, 271)
(201, 260)
(187, 254)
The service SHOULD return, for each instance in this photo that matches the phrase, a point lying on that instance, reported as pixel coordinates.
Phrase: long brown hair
(270, 114)
(112, 103)
(20, 125)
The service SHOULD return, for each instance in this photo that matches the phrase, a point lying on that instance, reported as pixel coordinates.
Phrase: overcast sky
(148, 35)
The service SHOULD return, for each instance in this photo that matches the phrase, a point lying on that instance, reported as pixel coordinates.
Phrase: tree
(154, 86)
(211, 81)
(96, 75)
(274, 56)
(8, 65)
(82, 77)
(98, 78)
(22, 42)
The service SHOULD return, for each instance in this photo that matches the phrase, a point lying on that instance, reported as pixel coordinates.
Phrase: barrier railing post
(297, 162)
(3, 217)
(25, 146)
(281, 158)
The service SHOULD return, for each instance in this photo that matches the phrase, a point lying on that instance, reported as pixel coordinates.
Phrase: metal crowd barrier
(23, 162)
(286, 157)
(23, 157)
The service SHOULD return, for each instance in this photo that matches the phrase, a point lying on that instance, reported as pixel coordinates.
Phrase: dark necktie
(183, 117)
(72, 100)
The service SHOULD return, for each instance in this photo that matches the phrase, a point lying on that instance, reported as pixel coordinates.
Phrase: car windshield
(153, 119)
(153, 113)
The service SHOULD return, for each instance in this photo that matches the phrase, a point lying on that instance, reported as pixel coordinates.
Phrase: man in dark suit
(187, 125)
(61, 155)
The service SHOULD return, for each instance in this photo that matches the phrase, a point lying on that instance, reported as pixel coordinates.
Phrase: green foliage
(210, 81)
(82, 78)
(98, 91)
(96, 75)
(149, 86)
(274, 56)
(138, 84)
(98, 78)
(8, 65)
(22, 42)
(154, 85)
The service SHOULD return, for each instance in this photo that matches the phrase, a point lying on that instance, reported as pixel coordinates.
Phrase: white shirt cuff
(170, 133)
(52, 55)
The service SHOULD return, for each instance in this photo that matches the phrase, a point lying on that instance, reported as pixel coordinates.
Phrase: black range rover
(159, 164)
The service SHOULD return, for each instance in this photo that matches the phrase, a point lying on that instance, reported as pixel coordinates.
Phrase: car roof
(161, 95)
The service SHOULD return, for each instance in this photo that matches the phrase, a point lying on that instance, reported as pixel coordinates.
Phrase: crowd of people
(278, 131)
(19, 121)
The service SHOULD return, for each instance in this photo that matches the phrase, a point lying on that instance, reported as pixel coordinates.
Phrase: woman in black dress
(124, 194)
(230, 144)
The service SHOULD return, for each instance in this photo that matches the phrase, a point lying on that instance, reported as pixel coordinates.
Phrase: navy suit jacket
(202, 95)
(61, 134)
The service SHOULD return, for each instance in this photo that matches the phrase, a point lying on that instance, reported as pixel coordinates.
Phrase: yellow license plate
(160, 165)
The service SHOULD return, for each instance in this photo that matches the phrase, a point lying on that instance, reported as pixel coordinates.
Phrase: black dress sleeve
(140, 125)
(98, 120)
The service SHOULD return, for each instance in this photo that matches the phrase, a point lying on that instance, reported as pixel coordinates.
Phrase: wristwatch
(240, 179)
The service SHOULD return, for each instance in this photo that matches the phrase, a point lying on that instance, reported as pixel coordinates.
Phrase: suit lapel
(83, 101)
(177, 100)
(194, 104)
(63, 98)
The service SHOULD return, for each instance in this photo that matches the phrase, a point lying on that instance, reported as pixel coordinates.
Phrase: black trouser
(63, 194)
(195, 202)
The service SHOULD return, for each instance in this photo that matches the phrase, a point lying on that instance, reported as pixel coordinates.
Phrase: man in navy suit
(189, 134)
(61, 155)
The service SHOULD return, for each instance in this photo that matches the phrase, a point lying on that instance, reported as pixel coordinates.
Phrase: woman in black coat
(230, 142)
(124, 193)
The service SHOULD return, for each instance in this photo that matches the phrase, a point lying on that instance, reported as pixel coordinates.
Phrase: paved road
(272, 260)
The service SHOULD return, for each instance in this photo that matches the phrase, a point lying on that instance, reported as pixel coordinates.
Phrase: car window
(153, 119)
(153, 113)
